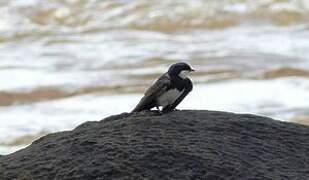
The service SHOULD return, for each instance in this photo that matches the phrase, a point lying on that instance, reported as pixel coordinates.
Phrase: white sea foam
(79, 63)
(265, 97)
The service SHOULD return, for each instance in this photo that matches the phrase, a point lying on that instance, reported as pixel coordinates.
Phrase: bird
(168, 91)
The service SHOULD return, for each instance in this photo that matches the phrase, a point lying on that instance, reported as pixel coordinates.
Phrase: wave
(52, 93)
(138, 83)
(92, 16)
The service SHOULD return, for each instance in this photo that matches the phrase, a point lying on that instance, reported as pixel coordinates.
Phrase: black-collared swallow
(169, 90)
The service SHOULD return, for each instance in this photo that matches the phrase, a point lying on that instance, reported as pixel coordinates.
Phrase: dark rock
(179, 145)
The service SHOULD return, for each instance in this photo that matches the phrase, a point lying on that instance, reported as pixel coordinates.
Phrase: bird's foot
(159, 113)
(149, 112)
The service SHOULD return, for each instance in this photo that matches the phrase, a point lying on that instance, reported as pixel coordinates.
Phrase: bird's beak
(192, 70)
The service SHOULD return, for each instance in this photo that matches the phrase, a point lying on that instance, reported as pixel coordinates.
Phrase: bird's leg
(166, 109)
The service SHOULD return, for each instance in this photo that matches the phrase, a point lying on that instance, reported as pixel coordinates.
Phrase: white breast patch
(169, 97)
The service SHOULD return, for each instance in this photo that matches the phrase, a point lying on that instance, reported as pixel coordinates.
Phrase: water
(64, 62)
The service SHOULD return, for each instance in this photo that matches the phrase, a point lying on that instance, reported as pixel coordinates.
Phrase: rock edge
(180, 145)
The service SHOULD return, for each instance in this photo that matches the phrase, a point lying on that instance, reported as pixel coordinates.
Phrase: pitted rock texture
(204, 145)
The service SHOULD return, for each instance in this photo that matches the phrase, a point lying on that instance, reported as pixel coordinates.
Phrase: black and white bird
(169, 90)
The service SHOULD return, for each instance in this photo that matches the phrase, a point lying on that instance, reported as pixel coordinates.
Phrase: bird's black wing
(188, 89)
(156, 90)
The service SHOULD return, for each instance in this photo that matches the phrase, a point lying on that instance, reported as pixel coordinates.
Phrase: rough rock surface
(180, 145)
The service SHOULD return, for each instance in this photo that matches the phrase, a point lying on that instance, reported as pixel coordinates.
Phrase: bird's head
(181, 70)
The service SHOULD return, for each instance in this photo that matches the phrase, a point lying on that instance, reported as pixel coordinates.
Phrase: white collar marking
(184, 74)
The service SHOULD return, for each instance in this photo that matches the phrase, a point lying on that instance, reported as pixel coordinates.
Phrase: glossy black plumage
(170, 82)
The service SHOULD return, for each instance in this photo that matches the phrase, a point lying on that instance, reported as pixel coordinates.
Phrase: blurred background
(64, 62)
